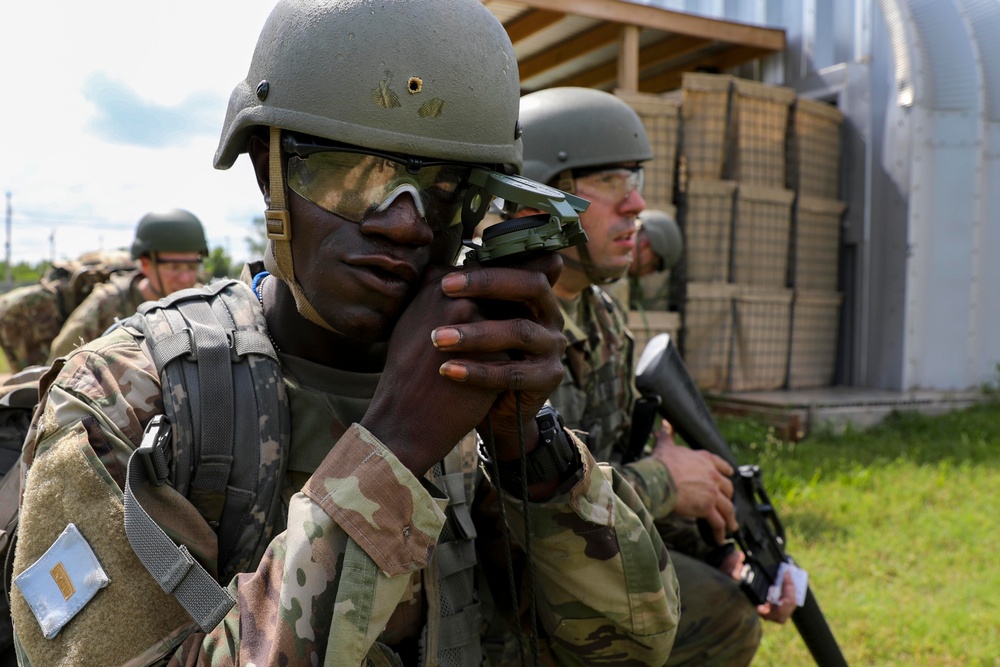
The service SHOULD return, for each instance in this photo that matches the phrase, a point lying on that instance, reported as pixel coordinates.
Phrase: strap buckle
(152, 449)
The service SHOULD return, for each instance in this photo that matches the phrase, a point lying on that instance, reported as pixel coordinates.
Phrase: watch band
(554, 458)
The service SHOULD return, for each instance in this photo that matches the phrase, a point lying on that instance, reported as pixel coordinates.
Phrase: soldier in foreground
(362, 121)
(32, 316)
(593, 144)
(169, 246)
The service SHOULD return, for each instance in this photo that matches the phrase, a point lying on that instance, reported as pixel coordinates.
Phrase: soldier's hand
(780, 613)
(416, 412)
(704, 487)
(448, 366)
(515, 350)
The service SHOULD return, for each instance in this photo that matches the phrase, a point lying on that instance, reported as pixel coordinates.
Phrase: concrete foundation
(794, 413)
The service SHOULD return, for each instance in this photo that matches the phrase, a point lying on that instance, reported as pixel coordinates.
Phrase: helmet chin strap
(157, 289)
(598, 274)
(278, 256)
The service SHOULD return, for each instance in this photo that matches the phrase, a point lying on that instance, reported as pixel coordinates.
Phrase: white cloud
(112, 108)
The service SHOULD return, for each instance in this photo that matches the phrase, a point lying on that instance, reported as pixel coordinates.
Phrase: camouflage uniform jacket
(598, 390)
(362, 535)
(30, 318)
(116, 299)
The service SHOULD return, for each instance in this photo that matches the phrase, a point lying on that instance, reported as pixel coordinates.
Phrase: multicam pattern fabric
(116, 299)
(598, 389)
(356, 564)
(30, 318)
(719, 628)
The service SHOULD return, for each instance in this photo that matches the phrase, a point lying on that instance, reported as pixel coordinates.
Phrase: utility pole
(10, 273)
(52, 246)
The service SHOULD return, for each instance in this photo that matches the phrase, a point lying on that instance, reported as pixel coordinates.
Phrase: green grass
(898, 528)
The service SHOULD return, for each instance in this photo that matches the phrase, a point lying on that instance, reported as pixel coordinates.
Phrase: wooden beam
(532, 21)
(653, 55)
(585, 42)
(628, 59)
(656, 18)
(723, 60)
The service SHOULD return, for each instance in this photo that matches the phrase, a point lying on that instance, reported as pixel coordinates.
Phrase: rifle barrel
(816, 634)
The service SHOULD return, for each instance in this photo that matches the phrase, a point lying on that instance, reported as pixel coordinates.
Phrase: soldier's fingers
(533, 374)
(718, 525)
(725, 508)
(721, 465)
(726, 486)
(499, 335)
(529, 288)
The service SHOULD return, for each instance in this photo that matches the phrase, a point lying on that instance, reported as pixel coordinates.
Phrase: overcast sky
(113, 108)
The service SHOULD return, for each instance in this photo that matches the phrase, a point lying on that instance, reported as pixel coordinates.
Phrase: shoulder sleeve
(90, 319)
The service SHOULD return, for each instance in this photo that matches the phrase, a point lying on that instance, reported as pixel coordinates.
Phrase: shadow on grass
(813, 527)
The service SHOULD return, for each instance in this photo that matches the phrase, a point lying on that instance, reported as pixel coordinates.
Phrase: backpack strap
(225, 402)
(173, 567)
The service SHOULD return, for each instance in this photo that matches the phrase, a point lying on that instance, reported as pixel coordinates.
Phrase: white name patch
(62, 581)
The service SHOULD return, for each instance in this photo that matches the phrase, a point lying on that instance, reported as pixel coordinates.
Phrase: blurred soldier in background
(658, 248)
(32, 316)
(169, 246)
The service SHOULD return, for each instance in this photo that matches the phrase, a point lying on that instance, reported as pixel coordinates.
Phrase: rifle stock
(661, 373)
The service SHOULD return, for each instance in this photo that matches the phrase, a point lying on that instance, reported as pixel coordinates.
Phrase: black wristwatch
(554, 458)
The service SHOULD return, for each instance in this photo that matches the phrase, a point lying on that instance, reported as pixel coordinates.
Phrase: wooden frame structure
(615, 44)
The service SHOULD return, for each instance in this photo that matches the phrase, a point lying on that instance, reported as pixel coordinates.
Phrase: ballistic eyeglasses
(610, 185)
(353, 182)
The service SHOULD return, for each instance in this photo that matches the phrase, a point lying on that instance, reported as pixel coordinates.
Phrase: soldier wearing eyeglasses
(363, 121)
(169, 246)
(593, 144)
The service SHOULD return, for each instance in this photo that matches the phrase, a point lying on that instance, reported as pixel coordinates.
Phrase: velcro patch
(62, 581)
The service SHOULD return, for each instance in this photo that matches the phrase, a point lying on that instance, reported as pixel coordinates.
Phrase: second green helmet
(175, 230)
(575, 128)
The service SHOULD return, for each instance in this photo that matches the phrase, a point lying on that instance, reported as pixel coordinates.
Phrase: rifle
(663, 379)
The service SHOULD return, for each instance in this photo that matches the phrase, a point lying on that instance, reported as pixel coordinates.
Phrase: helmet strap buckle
(278, 225)
(276, 219)
(566, 182)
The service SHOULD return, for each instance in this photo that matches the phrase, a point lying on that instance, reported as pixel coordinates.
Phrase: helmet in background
(175, 230)
(575, 128)
(664, 236)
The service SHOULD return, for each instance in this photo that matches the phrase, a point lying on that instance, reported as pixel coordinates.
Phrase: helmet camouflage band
(175, 230)
(418, 77)
(575, 128)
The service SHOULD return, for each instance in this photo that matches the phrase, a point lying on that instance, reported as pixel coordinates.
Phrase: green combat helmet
(577, 128)
(664, 236)
(568, 129)
(175, 230)
(373, 74)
